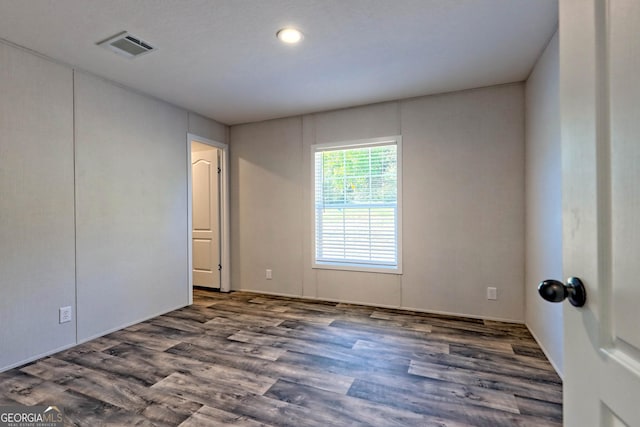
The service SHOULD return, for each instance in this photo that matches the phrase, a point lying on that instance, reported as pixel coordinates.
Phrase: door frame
(225, 246)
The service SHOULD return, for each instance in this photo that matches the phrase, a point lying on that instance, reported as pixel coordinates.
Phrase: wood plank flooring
(246, 359)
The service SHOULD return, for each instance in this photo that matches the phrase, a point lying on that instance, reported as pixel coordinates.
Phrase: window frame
(343, 145)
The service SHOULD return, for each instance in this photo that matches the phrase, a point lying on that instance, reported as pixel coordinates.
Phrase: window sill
(357, 267)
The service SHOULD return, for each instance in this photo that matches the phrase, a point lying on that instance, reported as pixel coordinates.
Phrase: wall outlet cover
(492, 293)
(65, 314)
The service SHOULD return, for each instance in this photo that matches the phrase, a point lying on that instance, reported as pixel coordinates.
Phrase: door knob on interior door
(556, 291)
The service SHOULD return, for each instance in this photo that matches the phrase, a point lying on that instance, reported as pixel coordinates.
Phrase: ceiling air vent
(126, 44)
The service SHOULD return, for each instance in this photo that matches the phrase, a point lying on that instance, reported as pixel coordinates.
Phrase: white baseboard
(546, 353)
(36, 357)
(397, 307)
(68, 346)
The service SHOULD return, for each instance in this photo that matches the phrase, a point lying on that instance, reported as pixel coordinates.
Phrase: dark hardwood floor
(245, 359)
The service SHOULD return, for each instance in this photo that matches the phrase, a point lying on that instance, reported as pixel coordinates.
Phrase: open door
(206, 242)
(600, 111)
(208, 213)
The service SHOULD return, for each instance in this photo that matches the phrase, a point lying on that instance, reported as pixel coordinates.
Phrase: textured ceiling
(221, 58)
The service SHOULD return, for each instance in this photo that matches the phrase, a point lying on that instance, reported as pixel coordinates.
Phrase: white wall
(207, 128)
(37, 264)
(464, 204)
(544, 201)
(131, 206)
(125, 235)
(266, 217)
(463, 211)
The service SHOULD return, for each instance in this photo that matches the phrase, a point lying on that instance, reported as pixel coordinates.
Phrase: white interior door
(206, 217)
(600, 108)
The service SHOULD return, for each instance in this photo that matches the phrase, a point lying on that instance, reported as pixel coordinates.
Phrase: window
(356, 205)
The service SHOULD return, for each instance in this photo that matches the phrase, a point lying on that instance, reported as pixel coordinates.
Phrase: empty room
(319, 213)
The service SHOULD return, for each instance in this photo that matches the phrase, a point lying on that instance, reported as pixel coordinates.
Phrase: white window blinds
(356, 204)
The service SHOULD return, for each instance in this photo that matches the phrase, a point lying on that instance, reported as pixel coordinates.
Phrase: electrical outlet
(492, 293)
(65, 314)
(268, 274)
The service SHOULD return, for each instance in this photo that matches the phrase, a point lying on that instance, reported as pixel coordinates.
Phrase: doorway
(208, 214)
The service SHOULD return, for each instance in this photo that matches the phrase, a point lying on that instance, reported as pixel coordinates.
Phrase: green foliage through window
(359, 175)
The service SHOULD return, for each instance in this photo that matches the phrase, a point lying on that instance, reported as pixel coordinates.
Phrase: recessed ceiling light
(289, 35)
